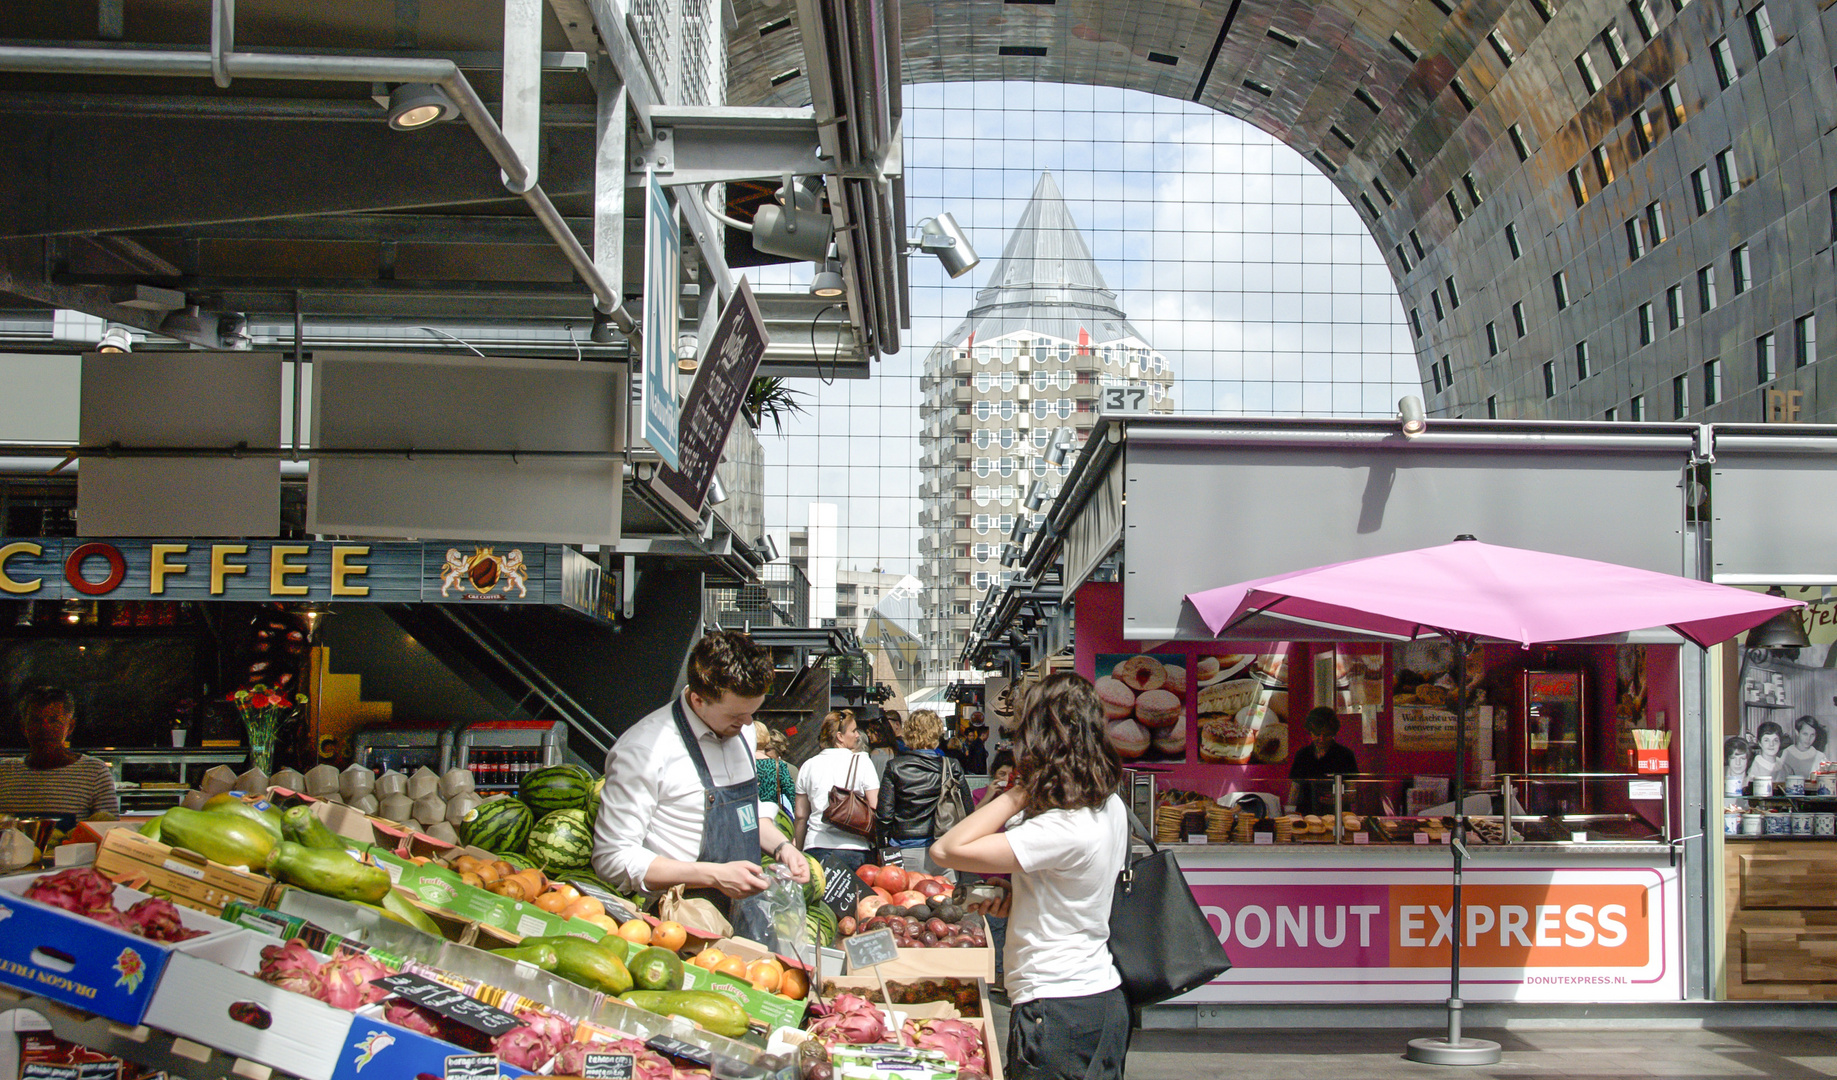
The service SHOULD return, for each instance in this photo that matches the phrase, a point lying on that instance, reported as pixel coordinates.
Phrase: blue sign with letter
(660, 405)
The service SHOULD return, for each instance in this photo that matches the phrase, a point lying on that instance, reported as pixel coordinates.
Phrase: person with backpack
(922, 794)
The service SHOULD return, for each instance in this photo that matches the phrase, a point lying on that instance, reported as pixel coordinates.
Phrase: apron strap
(693, 745)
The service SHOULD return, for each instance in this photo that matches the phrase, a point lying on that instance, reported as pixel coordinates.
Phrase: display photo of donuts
(1144, 704)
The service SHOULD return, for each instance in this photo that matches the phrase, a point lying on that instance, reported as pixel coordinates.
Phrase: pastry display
(1118, 700)
(1144, 701)
(1158, 708)
(1271, 741)
(1140, 673)
(1172, 741)
(1214, 743)
(1176, 679)
(1130, 738)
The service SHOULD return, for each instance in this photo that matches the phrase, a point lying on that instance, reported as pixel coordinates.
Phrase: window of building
(1460, 91)
(1700, 188)
(1507, 55)
(1674, 307)
(980, 522)
(1492, 406)
(1511, 240)
(1712, 382)
(1519, 146)
(1454, 294)
(1416, 321)
(1447, 371)
(1642, 18)
(1454, 205)
(1636, 409)
(1766, 360)
(1643, 132)
(1706, 289)
(1383, 192)
(1435, 377)
(1674, 102)
(1655, 223)
(1492, 339)
(1403, 259)
(1578, 186)
(1473, 189)
(1648, 323)
(1549, 378)
(1680, 397)
(1416, 245)
(1543, 9)
(1585, 63)
(1760, 28)
(1804, 340)
(1741, 269)
(1728, 179)
(1518, 318)
(1582, 368)
(1612, 414)
(1616, 47)
(1559, 283)
(1636, 239)
(1722, 57)
(1435, 301)
(1832, 198)
(1408, 163)
(1604, 165)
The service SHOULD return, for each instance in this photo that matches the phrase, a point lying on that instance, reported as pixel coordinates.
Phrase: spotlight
(413, 106)
(115, 339)
(73, 611)
(828, 281)
(602, 328)
(717, 493)
(768, 547)
(941, 237)
(1410, 411)
(791, 232)
(688, 352)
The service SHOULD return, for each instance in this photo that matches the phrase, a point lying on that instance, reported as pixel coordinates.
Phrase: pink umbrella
(1467, 591)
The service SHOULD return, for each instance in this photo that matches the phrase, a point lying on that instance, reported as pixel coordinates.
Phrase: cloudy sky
(1232, 254)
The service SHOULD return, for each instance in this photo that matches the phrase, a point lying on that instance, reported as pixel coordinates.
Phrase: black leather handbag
(1161, 942)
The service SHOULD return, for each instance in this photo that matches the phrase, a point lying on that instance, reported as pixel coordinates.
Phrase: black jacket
(909, 791)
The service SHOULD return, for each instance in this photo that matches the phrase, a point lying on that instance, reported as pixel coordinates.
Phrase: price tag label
(1646, 790)
(180, 866)
(451, 1004)
(472, 1067)
(871, 950)
(1124, 399)
(1360, 838)
(38, 1070)
(1422, 838)
(1197, 838)
(1262, 838)
(608, 1066)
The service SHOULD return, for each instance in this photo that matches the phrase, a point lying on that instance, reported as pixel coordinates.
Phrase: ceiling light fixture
(115, 339)
(828, 282)
(413, 106)
(688, 353)
(942, 237)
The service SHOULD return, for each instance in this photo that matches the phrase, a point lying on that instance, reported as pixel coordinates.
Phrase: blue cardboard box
(377, 1050)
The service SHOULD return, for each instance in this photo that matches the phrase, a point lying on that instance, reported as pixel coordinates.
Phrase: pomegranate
(909, 898)
(867, 873)
(932, 887)
(868, 905)
(891, 878)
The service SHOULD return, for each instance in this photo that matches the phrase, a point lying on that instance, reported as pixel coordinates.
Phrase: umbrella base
(1440, 1051)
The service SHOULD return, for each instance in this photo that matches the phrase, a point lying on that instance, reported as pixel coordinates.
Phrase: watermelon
(518, 861)
(557, 787)
(499, 825)
(822, 924)
(813, 889)
(562, 840)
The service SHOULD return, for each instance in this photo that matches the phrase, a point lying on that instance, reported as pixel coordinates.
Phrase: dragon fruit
(345, 981)
(79, 890)
(542, 1036)
(572, 1060)
(851, 1019)
(404, 1013)
(291, 967)
(157, 920)
(958, 1041)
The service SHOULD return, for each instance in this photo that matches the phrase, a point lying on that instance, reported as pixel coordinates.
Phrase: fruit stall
(276, 934)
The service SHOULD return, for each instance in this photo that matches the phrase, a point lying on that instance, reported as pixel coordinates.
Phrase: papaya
(303, 828)
(151, 829)
(328, 873)
(716, 1012)
(402, 909)
(261, 811)
(543, 956)
(592, 964)
(655, 968)
(230, 839)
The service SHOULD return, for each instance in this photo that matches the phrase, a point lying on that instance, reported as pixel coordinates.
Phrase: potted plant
(771, 397)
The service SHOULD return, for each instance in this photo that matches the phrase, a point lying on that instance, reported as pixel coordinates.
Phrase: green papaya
(402, 909)
(304, 828)
(716, 1012)
(150, 830)
(592, 964)
(654, 968)
(543, 956)
(328, 873)
(261, 811)
(230, 839)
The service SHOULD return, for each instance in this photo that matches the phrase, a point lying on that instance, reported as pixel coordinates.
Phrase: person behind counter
(53, 779)
(681, 802)
(1310, 787)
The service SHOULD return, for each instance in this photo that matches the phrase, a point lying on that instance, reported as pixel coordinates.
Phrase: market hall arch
(1591, 208)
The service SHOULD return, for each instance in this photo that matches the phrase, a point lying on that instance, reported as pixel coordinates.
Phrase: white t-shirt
(816, 777)
(1059, 926)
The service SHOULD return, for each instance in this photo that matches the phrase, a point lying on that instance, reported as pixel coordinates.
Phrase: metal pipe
(363, 69)
(43, 451)
(299, 368)
(1158, 435)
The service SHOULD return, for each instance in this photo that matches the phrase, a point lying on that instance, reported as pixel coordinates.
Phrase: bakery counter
(1370, 923)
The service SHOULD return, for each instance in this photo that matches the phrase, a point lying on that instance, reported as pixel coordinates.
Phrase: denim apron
(730, 833)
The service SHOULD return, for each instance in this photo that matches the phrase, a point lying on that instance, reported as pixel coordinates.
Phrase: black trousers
(1081, 1038)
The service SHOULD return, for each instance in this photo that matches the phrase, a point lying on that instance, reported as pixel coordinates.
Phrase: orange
(669, 935)
(795, 984)
(583, 907)
(732, 965)
(604, 922)
(766, 974)
(708, 958)
(553, 902)
(636, 931)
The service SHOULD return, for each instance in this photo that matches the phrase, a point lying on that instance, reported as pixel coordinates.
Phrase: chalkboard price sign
(451, 1004)
(716, 398)
(676, 1048)
(608, 1066)
(472, 1067)
(871, 950)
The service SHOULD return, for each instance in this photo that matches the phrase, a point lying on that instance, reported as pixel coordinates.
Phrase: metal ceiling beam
(712, 145)
(467, 60)
(366, 228)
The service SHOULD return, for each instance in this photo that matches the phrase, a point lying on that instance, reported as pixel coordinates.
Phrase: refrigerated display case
(502, 752)
(404, 749)
(1554, 738)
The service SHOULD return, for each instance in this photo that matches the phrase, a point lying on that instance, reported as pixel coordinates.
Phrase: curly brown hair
(1062, 761)
(728, 660)
(923, 730)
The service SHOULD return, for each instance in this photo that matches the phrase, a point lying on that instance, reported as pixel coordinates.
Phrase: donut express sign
(42, 568)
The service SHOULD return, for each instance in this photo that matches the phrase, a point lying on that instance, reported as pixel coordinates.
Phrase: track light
(828, 282)
(1410, 411)
(602, 328)
(941, 237)
(717, 492)
(413, 106)
(688, 353)
(115, 339)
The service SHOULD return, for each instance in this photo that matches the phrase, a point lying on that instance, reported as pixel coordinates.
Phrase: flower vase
(261, 749)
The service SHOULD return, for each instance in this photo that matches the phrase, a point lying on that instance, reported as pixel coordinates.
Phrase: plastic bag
(784, 901)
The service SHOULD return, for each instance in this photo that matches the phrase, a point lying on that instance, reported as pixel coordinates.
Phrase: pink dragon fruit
(542, 1036)
(852, 1019)
(157, 920)
(958, 1041)
(572, 1060)
(79, 890)
(292, 967)
(347, 981)
(403, 1013)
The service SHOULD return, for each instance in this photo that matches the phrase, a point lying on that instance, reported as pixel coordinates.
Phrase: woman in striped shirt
(53, 779)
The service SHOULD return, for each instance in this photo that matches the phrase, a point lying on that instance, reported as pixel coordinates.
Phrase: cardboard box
(772, 1010)
(77, 961)
(442, 888)
(943, 963)
(376, 1050)
(192, 880)
(868, 987)
(210, 995)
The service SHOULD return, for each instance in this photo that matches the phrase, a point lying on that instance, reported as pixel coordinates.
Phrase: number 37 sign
(1125, 399)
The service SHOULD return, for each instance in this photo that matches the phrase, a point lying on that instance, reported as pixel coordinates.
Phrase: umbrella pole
(1454, 1049)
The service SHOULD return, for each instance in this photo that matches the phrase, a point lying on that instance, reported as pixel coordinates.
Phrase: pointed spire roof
(1046, 280)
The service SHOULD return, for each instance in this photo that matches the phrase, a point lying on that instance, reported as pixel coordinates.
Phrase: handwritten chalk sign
(608, 1066)
(472, 1067)
(451, 1004)
(871, 950)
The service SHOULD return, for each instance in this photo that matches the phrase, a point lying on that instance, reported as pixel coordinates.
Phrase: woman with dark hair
(1767, 765)
(1070, 1019)
(1807, 750)
(839, 764)
(52, 779)
(1735, 754)
(1310, 777)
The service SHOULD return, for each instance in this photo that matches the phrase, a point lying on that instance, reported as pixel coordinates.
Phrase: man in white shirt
(681, 803)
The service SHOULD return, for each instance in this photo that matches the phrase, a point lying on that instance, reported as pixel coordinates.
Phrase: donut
(1206, 667)
(1130, 738)
(1214, 741)
(1176, 679)
(1140, 673)
(1173, 739)
(1118, 700)
(1158, 708)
